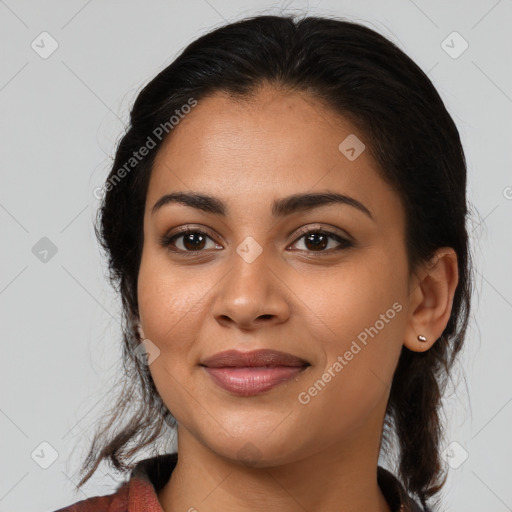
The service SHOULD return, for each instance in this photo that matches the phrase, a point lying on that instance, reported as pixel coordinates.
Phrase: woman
(286, 222)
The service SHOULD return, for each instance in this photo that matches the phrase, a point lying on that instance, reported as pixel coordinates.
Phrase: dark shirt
(139, 493)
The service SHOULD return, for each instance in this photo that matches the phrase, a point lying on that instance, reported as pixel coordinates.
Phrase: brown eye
(193, 241)
(187, 241)
(318, 241)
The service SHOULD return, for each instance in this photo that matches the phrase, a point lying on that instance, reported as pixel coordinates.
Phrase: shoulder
(115, 502)
(138, 493)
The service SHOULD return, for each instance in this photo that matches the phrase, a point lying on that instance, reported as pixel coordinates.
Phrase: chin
(257, 450)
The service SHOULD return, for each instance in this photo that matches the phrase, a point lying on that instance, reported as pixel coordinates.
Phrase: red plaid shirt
(139, 493)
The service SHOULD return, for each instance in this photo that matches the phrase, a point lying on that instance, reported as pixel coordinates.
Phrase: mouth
(252, 373)
(254, 358)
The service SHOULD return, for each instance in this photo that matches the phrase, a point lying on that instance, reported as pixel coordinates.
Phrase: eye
(194, 240)
(187, 240)
(317, 240)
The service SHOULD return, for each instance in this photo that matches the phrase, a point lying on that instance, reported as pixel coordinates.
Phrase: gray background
(60, 118)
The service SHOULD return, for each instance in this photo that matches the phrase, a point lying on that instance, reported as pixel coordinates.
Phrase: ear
(431, 299)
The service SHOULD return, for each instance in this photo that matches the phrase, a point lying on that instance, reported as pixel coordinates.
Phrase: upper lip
(262, 357)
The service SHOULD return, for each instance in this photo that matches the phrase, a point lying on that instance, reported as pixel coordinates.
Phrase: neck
(332, 480)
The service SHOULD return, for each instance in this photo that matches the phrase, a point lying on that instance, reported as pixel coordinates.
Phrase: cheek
(358, 316)
(166, 296)
(343, 302)
(357, 324)
(170, 306)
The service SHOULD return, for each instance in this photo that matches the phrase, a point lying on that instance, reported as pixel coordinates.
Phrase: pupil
(190, 239)
(317, 243)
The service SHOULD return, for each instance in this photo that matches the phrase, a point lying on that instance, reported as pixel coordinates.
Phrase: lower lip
(249, 381)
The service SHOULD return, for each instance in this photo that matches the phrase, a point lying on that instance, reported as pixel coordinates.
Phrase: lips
(259, 358)
(252, 373)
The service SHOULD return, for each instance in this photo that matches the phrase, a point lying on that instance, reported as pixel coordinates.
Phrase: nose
(251, 295)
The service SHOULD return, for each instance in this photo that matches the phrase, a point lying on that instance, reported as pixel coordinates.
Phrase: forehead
(272, 144)
(276, 126)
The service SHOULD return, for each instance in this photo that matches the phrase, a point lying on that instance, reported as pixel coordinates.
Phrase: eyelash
(166, 241)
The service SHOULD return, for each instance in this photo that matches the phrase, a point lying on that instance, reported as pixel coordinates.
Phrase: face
(325, 281)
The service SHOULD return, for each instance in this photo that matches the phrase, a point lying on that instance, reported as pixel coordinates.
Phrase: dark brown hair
(366, 79)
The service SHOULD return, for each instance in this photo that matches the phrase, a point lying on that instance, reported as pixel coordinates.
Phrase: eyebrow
(280, 207)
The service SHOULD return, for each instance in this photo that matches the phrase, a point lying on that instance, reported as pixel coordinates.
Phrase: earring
(422, 338)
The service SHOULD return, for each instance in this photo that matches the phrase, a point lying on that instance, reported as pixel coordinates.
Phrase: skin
(321, 455)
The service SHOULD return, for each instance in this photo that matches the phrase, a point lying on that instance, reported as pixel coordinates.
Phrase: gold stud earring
(422, 338)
